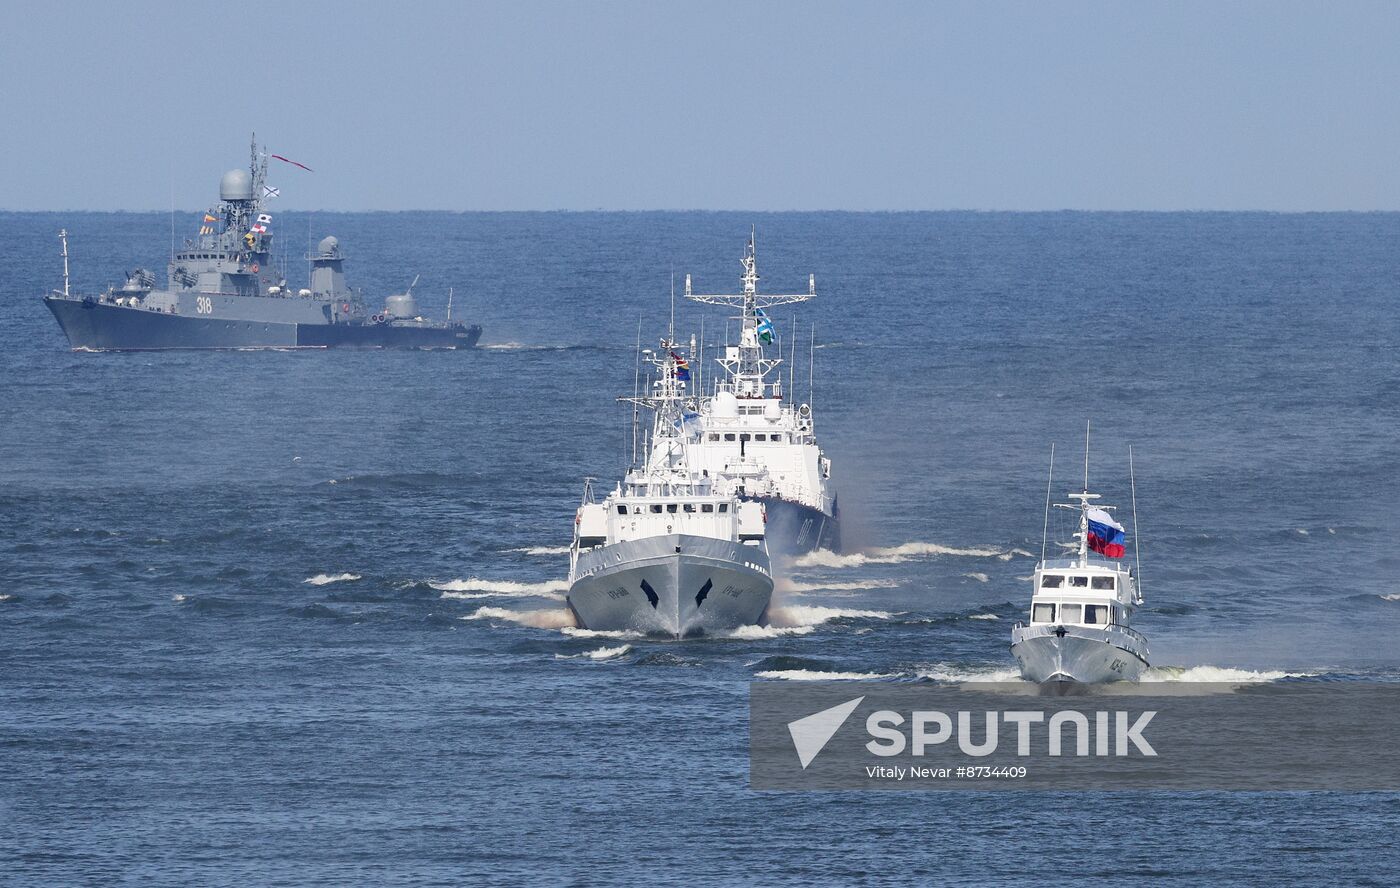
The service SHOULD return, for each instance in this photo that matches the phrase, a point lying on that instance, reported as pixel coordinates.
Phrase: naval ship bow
(670, 551)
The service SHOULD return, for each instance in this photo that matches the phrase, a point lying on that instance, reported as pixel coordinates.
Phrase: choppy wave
(552, 618)
(979, 577)
(1007, 556)
(475, 587)
(792, 586)
(983, 617)
(1221, 674)
(1394, 596)
(5, 597)
(758, 633)
(813, 615)
(817, 675)
(892, 555)
(542, 551)
(952, 673)
(604, 653)
(576, 632)
(326, 579)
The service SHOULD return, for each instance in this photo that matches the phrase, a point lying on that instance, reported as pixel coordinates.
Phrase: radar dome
(328, 244)
(236, 185)
(726, 405)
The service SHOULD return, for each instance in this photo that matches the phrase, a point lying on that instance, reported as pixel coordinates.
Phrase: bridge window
(729, 436)
(622, 510)
(1051, 581)
(1079, 581)
(656, 508)
(723, 507)
(671, 507)
(714, 436)
(744, 437)
(1070, 613)
(1096, 614)
(1103, 582)
(690, 507)
(707, 507)
(1043, 613)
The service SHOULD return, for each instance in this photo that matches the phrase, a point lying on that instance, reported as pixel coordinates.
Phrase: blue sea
(296, 618)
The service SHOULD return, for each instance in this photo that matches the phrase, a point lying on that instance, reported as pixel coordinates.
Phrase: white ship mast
(669, 436)
(746, 364)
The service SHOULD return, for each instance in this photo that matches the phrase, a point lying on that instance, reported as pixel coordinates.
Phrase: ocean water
(291, 618)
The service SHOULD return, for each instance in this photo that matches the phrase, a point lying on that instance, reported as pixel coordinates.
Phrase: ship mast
(666, 398)
(747, 365)
(63, 239)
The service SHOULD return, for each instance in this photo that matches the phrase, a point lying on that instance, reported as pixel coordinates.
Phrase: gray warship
(223, 291)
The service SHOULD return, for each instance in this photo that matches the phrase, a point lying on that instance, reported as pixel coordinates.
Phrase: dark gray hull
(95, 326)
(796, 529)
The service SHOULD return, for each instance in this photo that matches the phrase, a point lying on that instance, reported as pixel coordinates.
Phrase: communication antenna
(700, 366)
(449, 305)
(1086, 456)
(792, 361)
(636, 391)
(1137, 540)
(1045, 531)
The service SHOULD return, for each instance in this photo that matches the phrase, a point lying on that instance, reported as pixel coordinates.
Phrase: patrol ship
(755, 439)
(223, 291)
(671, 550)
(1081, 607)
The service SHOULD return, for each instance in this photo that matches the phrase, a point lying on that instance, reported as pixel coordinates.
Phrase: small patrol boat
(1082, 607)
(670, 551)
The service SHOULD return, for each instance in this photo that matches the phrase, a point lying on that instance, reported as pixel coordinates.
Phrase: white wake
(326, 579)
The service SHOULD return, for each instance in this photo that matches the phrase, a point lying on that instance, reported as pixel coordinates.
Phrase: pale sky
(711, 105)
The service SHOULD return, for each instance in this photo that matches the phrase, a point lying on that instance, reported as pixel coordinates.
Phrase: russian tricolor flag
(1105, 535)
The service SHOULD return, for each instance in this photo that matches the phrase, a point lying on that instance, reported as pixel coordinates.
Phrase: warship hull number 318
(222, 292)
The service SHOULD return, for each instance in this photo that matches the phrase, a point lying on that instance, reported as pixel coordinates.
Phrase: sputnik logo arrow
(811, 733)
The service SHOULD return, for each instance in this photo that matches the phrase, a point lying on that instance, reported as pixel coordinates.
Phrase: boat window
(1103, 582)
(622, 510)
(656, 508)
(1096, 614)
(1051, 581)
(744, 437)
(1043, 613)
(707, 507)
(1079, 581)
(1070, 613)
(690, 507)
(714, 436)
(729, 436)
(760, 437)
(724, 507)
(671, 507)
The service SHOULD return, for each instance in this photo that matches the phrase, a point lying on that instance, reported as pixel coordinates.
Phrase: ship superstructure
(672, 550)
(751, 433)
(224, 290)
